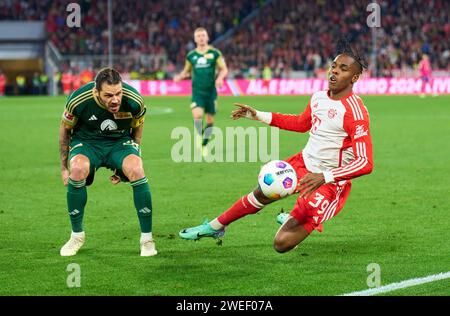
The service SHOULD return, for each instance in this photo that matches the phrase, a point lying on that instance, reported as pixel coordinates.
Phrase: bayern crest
(332, 113)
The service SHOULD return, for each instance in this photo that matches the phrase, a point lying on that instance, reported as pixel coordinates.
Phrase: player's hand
(65, 176)
(219, 83)
(115, 179)
(309, 183)
(243, 111)
(177, 78)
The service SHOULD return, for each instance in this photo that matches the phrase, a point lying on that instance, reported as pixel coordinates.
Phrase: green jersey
(90, 120)
(203, 67)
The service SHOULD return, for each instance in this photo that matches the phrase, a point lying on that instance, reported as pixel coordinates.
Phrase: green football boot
(282, 217)
(204, 230)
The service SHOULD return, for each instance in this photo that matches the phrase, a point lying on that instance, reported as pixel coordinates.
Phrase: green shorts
(206, 101)
(104, 154)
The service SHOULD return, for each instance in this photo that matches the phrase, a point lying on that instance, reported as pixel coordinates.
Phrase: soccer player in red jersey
(339, 149)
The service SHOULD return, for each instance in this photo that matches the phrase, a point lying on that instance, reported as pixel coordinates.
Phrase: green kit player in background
(201, 64)
(102, 127)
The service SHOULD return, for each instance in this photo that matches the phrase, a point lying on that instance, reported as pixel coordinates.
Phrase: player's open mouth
(332, 79)
(114, 108)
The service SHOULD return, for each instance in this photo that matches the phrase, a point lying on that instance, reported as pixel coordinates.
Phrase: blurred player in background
(425, 73)
(339, 149)
(201, 64)
(102, 126)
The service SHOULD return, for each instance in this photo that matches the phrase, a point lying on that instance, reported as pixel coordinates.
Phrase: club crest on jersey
(108, 125)
(360, 131)
(332, 113)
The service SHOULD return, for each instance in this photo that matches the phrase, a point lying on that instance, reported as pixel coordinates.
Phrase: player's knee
(132, 168)
(79, 169)
(282, 245)
(135, 173)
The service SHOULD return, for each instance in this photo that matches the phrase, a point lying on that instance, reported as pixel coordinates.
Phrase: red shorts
(323, 204)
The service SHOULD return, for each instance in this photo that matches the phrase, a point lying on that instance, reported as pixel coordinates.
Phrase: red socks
(247, 204)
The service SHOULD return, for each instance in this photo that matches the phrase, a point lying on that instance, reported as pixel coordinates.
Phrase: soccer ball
(277, 179)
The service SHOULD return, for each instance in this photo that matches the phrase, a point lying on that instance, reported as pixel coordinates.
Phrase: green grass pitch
(397, 217)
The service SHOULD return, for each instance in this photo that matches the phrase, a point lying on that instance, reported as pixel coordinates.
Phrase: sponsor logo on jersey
(209, 56)
(332, 113)
(108, 125)
(316, 218)
(360, 131)
(93, 118)
(122, 115)
(202, 61)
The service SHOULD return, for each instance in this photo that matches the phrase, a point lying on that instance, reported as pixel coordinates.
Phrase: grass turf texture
(397, 217)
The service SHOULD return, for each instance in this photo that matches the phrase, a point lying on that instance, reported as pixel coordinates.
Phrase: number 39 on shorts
(320, 203)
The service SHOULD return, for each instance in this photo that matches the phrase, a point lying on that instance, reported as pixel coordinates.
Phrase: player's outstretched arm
(247, 111)
(243, 111)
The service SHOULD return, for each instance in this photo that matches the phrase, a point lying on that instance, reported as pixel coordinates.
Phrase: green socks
(143, 203)
(77, 198)
(76, 201)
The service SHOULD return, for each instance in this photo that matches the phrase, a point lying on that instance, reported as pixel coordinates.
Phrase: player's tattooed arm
(137, 134)
(64, 141)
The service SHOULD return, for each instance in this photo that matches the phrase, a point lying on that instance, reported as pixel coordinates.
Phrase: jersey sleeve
(138, 108)
(187, 65)
(220, 60)
(69, 116)
(356, 124)
(297, 123)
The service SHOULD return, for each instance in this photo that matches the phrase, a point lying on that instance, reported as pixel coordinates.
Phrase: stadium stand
(293, 38)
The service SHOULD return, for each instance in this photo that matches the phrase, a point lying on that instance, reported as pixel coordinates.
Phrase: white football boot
(73, 245)
(148, 248)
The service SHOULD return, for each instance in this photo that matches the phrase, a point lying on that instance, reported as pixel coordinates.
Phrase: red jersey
(340, 143)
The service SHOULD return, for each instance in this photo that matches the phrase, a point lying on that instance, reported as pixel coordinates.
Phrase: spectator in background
(267, 75)
(43, 83)
(2, 83)
(57, 78)
(66, 81)
(21, 83)
(86, 76)
(35, 84)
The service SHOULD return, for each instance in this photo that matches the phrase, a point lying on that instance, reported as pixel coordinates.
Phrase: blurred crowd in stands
(293, 35)
(279, 39)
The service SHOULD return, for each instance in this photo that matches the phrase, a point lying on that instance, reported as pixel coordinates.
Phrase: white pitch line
(401, 285)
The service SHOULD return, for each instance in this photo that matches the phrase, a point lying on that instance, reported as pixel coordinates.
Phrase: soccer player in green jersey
(102, 127)
(201, 64)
